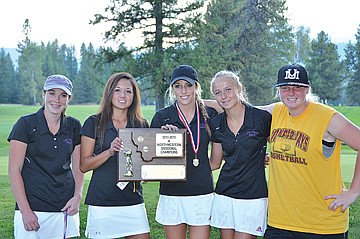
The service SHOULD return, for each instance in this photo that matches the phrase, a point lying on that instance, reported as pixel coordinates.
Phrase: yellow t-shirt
(301, 176)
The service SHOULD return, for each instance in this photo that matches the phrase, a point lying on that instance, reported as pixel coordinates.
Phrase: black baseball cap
(293, 74)
(184, 72)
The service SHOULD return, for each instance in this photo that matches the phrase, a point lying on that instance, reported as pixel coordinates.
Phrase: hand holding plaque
(152, 155)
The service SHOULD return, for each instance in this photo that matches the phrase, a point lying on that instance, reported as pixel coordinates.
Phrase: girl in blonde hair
(186, 206)
(240, 204)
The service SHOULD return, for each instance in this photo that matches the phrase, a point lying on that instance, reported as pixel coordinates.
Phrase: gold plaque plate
(152, 155)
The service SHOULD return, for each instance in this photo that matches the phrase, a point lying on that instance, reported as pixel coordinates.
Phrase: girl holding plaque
(240, 203)
(184, 206)
(115, 209)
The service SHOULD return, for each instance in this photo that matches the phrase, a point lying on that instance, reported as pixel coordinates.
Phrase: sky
(68, 20)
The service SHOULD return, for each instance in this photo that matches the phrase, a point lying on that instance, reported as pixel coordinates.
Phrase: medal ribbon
(65, 223)
(195, 145)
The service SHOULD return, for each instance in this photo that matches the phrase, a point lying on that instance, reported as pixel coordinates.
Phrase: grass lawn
(10, 113)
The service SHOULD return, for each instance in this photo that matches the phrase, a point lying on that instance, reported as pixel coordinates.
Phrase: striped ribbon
(65, 223)
(195, 145)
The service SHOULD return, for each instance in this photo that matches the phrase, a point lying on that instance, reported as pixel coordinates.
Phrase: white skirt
(114, 222)
(53, 225)
(191, 210)
(242, 215)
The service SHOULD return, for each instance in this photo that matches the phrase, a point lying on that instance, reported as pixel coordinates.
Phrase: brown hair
(105, 111)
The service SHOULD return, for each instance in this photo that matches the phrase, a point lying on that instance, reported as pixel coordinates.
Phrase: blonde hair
(235, 78)
(200, 102)
(310, 96)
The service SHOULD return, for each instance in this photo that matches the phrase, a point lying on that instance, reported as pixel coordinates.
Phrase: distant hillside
(13, 54)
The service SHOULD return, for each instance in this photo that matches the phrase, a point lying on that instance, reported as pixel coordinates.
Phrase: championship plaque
(151, 154)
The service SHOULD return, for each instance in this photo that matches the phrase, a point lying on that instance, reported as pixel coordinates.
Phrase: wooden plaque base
(152, 155)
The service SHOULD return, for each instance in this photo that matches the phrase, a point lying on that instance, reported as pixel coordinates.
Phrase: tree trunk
(160, 101)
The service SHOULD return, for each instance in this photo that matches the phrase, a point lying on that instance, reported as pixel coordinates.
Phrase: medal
(194, 144)
(196, 161)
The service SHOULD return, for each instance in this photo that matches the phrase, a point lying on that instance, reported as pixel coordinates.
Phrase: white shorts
(52, 226)
(191, 210)
(114, 222)
(242, 215)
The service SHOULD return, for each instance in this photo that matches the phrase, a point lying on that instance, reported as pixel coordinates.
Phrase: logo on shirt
(285, 143)
(287, 140)
(252, 133)
(68, 141)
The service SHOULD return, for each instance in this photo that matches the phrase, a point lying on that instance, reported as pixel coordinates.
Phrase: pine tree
(325, 69)
(352, 54)
(250, 37)
(7, 78)
(162, 24)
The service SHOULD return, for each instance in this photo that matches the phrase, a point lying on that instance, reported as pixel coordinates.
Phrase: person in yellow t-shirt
(307, 197)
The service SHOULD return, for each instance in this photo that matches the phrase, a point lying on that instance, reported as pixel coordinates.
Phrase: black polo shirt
(46, 172)
(103, 190)
(243, 175)
(199, 179)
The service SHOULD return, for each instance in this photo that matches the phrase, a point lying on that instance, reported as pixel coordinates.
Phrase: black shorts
(275, 233)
